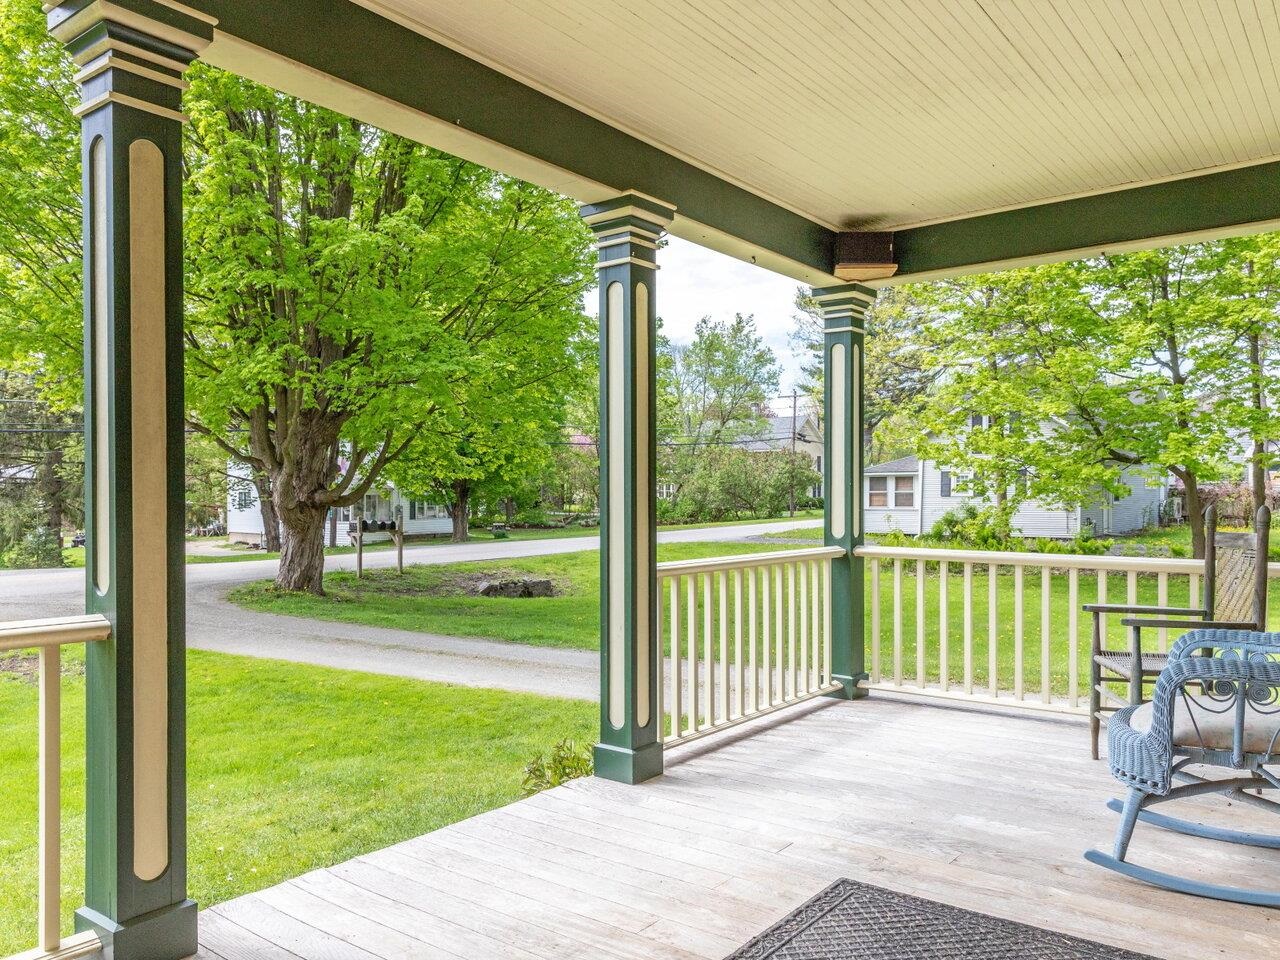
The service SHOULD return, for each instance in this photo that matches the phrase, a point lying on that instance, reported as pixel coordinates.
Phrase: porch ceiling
(981, 133)
(867, 115)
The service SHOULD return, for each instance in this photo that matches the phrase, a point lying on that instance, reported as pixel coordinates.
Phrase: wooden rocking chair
(1235, 598)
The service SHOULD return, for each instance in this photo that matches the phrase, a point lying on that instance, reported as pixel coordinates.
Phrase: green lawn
(290, 768)
(434, 599)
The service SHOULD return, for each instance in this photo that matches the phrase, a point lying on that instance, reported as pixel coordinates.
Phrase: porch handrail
(749, 634)
(48, 636)
(930, 568)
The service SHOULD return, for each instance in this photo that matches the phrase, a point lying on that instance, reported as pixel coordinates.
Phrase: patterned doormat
(856, 921)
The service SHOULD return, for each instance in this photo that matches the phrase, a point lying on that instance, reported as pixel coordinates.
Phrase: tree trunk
(302, 553)
(270, 518)
(460, 510)
(52, 492)
(1195, 513)
(1258, 462)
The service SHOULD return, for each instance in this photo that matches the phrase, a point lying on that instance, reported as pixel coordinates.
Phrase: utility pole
(795, 399)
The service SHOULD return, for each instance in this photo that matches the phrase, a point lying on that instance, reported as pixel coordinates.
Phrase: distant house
(911, 495)
(421, 517)
(778, 433)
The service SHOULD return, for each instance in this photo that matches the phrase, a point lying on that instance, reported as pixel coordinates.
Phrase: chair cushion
(1194, 726)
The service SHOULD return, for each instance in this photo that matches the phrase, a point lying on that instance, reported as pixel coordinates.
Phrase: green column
(131, 55)
(843, 311)
(627, 230)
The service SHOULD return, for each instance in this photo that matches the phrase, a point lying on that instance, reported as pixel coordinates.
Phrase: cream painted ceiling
(889, 113)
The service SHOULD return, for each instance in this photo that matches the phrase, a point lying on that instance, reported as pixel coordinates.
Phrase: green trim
(1242, 200)
(392, 61)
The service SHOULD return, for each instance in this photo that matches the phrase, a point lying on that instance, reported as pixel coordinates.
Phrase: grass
(291, 768)
(434, 599)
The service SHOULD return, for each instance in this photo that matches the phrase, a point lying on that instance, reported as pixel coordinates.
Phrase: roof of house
(901, 465)
(776, 434)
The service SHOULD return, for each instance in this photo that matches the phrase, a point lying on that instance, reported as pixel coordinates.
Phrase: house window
(946, 483)
(666, 491)
(244, 498)
(878, 495)
(904, 491)
(975, 421)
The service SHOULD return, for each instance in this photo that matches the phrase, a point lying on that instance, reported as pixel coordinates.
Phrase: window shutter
(946, 483)
(413, 509)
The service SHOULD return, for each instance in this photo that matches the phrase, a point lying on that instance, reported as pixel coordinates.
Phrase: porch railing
(742, 636)
(48, 637)
(1004, 628)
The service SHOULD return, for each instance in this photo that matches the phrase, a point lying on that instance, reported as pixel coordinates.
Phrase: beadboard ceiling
(862, 114)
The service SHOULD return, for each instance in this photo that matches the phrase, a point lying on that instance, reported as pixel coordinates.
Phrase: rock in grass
(518, 588)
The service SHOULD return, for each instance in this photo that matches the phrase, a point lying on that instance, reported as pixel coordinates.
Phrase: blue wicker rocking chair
(1216, 704)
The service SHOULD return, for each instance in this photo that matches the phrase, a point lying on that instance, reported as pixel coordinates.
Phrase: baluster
(944, 654)
(676, 679)
(691, 621)
(1193, 591)
(738, 693)
(766, 641)
(49, 827)
(1162, 599)
(920, 579)
(875, 620)
(826, 622)
(790, 690)
(1133, 588)
(752, 611)
(897, 622)
(968, 629)
(993, 629)
(815, 636)
(722, 702)
(1102, 598)
(779, 635)
(1073, 632)
(1046, 595)
(1019, 690)
(708, 655)
(801, 682)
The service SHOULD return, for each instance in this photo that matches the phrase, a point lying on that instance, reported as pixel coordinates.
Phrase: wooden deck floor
(982, 811)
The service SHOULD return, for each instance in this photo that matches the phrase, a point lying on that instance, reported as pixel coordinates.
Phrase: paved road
(214, 624)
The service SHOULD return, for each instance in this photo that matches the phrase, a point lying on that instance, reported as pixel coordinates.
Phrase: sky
(694, 282)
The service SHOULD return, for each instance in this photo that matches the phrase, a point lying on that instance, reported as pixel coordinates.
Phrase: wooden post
(398, 533)
(360, 541)
(627, 230)
(843, 311)
(132, 55)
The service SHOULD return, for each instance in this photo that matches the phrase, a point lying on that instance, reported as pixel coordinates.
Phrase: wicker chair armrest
(1244, 640)
(1200, 670)
(1160, 622)
(1145, 610)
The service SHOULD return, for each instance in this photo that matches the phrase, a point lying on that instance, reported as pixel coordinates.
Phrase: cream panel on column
(99, 332)
(839, 437)
(855, 437)
(644, 494)
(615, 348)
(150, 511)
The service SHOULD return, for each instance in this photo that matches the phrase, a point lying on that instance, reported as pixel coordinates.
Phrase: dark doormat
(856, 921)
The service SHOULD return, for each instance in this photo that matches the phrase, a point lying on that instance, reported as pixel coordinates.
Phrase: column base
(165, 934)
(849, 689)
(625, 765)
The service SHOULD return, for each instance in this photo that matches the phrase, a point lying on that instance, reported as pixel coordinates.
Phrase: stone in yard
(518, 588)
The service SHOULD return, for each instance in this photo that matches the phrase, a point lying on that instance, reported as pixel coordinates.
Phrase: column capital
(131, 52)
(844, 307)
(628, 228)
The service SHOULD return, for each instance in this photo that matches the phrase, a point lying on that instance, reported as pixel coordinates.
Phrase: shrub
(37, 549)
(568, 761)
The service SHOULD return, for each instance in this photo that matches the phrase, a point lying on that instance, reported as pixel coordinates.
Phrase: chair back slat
(1236, 571)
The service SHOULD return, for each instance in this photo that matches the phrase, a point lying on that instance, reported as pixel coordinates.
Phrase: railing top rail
(52, 631)
(1062, 560)
(672, 568)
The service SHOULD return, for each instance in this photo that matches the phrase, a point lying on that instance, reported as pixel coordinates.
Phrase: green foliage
(37, 549)
(568, 761)
(727, 483)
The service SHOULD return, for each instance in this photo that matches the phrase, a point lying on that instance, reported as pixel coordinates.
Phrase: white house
(784, 433)
(911, 495)
(420, 517)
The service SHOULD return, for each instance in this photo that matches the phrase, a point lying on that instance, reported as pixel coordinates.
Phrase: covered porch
(969, 808)
(741, 764)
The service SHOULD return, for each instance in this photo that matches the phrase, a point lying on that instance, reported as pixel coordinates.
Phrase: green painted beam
(358, 47)
(1240, 201)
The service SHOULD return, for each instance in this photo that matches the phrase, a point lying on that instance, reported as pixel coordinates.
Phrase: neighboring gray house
(911, 495)
(778, 433)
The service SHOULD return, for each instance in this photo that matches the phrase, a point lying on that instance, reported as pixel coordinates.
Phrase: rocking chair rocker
(1216, 704)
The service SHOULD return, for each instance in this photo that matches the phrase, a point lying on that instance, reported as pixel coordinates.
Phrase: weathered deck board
(980, 810)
